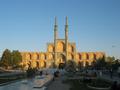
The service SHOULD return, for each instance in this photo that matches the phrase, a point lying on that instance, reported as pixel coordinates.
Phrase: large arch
(61, 61)
(61, 58)
(60, 46)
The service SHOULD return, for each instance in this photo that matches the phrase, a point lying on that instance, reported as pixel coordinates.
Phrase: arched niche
(42, 64)
(84, 56)
(50, 48)
(28, 56)
(91, 56)
(99, 55)
(50, 56)
(35, 56)
(33, 64)
(42, 56)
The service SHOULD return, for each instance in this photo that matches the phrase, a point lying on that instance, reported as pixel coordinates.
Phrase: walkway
(58, 85)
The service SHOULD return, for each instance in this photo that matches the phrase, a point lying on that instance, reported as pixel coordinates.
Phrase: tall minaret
(55, 40)
(66, 38)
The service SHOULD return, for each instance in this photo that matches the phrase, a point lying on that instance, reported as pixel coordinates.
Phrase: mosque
(59, 52)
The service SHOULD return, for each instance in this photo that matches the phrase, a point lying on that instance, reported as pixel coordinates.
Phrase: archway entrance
(62, 61)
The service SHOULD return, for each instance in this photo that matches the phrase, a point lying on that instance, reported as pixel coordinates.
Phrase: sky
(28, 25)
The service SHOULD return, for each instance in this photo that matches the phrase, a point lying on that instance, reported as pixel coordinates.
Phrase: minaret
(55, 40)
(66, 38)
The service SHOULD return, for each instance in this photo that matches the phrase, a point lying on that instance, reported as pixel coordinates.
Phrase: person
(118, 71)
(54, 76)
(100, 73)
(41, 73)
(114, 86)
(111, 73)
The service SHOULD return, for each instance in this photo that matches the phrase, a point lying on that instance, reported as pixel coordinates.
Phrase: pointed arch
(50, 56)
(50, 48)
(60, 46)
(28, 56)
(35, 56)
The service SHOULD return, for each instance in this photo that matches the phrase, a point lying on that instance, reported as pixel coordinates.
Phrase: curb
(98, 88)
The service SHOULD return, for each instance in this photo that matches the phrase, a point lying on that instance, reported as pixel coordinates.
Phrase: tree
(16, 58)
(6, 58)
(112, 63)
(71, 66)
(115, 65)
(110, 59)
(100, 63)
(12, 59)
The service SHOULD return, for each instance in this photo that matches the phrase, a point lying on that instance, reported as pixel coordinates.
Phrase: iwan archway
(61, 61)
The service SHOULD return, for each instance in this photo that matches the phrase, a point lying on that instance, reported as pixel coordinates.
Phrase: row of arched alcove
(37, 56)
(89, 56)
(50, 56)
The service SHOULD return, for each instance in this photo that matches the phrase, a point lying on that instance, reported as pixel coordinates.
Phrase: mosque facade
(59, 52)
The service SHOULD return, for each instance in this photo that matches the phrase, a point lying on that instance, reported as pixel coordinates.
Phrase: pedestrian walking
(111, 73)
(100, 73)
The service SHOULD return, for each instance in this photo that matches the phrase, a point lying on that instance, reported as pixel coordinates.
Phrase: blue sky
(27, 25)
